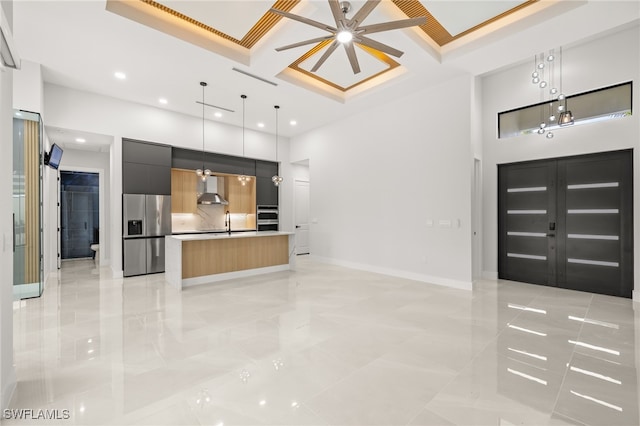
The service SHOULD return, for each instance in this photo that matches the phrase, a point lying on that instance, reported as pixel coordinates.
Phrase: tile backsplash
(210, 217)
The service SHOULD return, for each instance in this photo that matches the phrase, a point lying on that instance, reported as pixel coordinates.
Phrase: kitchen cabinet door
(266, 192)
(242, 198)
(176, 191)
(189, 195)
(183, 191)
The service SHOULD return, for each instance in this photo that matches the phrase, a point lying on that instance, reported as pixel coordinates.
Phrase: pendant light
(203, 173)
(276, 179)
(566, 117)
(243, 178)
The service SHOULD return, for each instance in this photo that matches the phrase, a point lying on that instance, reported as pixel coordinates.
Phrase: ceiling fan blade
(304, 20)
(353, 60)
(393, 25)
(366, 41)
(304, 43)
(364, 11)
(336, 10)
(332, 47)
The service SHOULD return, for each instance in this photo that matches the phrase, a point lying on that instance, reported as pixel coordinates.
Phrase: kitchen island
(204, 258)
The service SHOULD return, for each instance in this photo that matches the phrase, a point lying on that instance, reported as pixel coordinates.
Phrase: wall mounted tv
(53, 157)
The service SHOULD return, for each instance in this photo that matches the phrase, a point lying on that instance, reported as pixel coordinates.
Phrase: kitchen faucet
(227, 222)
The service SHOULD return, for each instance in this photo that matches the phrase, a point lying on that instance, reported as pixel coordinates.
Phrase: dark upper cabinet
(146, 179)
(146, 168)
(266, 192)
(266, 168)
(192, 160)
(146, 153)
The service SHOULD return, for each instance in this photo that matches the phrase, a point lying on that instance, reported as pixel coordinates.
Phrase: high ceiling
(167, 47)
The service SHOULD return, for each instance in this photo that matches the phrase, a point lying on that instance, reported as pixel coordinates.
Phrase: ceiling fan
(348, 31)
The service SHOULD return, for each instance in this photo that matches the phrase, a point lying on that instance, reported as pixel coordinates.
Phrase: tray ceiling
(235, 29)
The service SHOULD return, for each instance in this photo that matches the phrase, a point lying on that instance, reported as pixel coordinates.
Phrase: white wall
(379, 176)
(7, 371)
(84, 111)
(600, 63)
(28, 88)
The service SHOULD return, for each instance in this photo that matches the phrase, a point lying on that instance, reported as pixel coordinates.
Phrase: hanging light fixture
(203, 173)
(276, 179)
(243, 178)
(566, 116)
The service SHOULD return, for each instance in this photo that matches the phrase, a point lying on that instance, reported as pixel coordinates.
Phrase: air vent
(264, 80)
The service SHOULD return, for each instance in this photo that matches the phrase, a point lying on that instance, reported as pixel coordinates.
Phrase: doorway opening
(79, 215)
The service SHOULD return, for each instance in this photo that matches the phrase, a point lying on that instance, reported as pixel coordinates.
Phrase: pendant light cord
(203, 84)
(277, 107)
(244, 98)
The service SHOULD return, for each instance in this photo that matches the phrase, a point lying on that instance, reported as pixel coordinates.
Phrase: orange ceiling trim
(436, 31)
(433, 28)
(260, 28)
(377, 54)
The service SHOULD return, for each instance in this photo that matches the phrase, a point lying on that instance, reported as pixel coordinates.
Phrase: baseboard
(188, 282)
(117, 274)
(8, 388)
(442, 281)
(489, 275)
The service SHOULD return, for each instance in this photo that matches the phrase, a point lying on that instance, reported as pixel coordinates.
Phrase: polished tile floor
(324, 345)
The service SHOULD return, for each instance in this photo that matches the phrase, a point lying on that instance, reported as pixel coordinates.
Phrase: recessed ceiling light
(163, 101)
(293, 122)
(81, 140)
(260, 124)
(217, 114)
(119, 75)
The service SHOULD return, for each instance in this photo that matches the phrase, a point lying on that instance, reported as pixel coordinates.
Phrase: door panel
(302, 217)
(568, 222)
(595, 198)
(527, 207)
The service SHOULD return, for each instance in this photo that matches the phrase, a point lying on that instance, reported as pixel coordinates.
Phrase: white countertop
(197, 237)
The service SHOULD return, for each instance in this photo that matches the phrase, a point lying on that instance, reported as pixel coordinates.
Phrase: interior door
(301, 198)
(568, 222)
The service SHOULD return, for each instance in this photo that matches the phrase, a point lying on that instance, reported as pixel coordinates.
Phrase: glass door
(27, 206)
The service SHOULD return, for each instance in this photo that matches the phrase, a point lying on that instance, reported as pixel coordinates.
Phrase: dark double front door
(568, 222)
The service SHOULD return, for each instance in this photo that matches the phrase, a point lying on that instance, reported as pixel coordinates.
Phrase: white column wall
(380, 176)
(90, 112)
(7, 370)
(599, 63)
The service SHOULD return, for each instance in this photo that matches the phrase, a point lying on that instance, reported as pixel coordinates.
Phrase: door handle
(551, 235)
(297, 226)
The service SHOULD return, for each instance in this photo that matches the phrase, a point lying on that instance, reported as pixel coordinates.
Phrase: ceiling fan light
(344, 36)
(277, 180)
(199, 172)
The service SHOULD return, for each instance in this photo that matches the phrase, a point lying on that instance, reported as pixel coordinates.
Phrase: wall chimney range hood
(208, 191)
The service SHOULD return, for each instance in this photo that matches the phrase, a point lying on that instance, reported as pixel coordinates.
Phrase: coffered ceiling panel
(467, 14)
(235, 19)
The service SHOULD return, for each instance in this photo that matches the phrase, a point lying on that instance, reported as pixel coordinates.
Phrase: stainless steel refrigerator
(146, 220)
